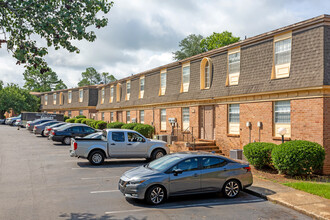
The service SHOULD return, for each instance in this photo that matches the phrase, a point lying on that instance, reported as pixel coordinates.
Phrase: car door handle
(129, 144)
(113, 144)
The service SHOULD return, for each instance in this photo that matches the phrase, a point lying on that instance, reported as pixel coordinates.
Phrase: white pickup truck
(117, 143)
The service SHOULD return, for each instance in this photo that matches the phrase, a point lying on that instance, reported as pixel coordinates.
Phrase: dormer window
(185, 77)
(282, 56)
(81, 95)
(54, 98)
(128, 89)
(234, 63)
(112, 90)
(206, 73)
(141, 92)
(162, 88)
(102, 95)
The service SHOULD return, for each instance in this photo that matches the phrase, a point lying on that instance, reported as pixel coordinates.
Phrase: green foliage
(66, 117)
(78, 120)
(84, 121)
(129, 126)
(320, 189)
(115, 124)
(259, 154)
(42, 82)
(298, 157)
(101, 125)
(145, 130)
(217, 40)
(81, 116)
(1, 84)
(70, 120)
(17, 99)
(59, 22)
(107, 78)
(189, 46)
(89, 122)
(92, 77)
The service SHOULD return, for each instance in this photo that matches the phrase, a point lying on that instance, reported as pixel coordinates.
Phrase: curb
(303, 211)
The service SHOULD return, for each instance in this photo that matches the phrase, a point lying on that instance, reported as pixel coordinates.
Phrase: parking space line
(186, 206)
(105, 191)
(79, 168)
(94, 178)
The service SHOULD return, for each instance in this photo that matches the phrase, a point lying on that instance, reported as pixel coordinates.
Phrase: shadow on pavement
(90, 216)
(116, 163)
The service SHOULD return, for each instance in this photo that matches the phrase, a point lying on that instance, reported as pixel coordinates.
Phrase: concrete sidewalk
(312, 205)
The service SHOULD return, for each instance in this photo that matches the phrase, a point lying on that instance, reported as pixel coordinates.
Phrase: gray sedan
(39, 129)
(185, 173)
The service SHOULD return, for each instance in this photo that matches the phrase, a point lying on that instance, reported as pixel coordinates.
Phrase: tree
(107, 78)
(217, 40)
(12, 97)
(38, 82)
(1, 84)
(189, 46)
(57, 21)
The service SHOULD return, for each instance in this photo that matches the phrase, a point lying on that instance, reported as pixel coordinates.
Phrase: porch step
(204, 143)
(206, 147)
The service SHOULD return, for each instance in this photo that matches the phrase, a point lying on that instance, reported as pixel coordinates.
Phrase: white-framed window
(54, 98)
(282, 55)
(142, 116)
(162, 89)
(46, 99)
(102, 95)
(112, 89)
(69, 96)
(233, 119)
(81, 112)
(185, 119)
(128, 117)
(69, 114)
(142, 84)
(234, 63)
(185, 77)
(282, 117)
(102, 116)
(81, 95)
(128, 89)
(163, 119)
(111, 117)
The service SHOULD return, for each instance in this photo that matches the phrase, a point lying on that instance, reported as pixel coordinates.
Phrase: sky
(142, 34)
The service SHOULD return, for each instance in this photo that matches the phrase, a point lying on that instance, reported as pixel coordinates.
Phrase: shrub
(80, 116)
(66, 117)
(259, 154)
(70, 120)
(145, 130)
(298, 157)
(129, 126)
(78, 120)
(100, 125)
(84, 121)
(115, 124)
(89, 122)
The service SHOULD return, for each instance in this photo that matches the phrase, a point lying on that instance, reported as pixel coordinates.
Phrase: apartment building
(71, 102)
(240, 93)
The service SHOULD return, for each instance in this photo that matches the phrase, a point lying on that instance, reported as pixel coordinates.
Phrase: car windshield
(94, 135)
(163, 162)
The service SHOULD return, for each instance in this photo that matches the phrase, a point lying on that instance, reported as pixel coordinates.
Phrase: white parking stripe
(106, 191)
(79, 168)
(187, 206)
(94, 178)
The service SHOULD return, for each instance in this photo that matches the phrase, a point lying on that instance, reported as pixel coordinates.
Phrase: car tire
(231, 188)
(155, 195)
(67, 141)
(96, 157)
(42, 134)
(158, 153)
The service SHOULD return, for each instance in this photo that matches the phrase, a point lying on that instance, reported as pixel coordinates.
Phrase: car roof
(119, 129)
(188, 154)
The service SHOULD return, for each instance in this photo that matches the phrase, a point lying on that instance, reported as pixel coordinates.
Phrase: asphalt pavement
(39, 180)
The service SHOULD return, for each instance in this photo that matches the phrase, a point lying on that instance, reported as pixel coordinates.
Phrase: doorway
(206, 122)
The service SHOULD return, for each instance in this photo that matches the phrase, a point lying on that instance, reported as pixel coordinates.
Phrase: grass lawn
(320, 189)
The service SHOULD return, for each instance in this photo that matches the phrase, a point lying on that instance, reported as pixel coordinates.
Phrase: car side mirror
(177, 171)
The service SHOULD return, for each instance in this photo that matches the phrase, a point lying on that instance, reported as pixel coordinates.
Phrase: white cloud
(143, 34)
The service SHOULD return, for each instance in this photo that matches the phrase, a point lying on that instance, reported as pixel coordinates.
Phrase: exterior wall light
(282, 132)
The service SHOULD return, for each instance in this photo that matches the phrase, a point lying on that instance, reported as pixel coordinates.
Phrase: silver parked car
(185, 173)
(39, 129)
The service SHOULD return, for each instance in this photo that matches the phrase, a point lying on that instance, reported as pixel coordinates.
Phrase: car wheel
(231, 188)
(67, 140)
(155, 195)
(157, 154)
(96, 157)
(42, 134)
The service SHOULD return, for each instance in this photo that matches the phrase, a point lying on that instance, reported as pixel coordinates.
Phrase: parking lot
(39, 180)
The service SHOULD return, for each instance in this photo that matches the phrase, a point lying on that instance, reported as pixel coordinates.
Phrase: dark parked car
(48, 129)
(185, 173)
(30, 125)
(65, 133)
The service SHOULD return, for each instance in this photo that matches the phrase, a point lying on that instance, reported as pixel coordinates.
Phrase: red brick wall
(326, 135)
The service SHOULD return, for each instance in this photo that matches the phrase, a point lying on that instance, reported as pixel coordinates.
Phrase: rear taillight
(28, 124)
(35, 127)
(75, 146)
(248, 169)
(49, 129)
(53, 133)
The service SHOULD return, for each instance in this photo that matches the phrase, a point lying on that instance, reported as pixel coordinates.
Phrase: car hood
(157, 141)
(140, 172)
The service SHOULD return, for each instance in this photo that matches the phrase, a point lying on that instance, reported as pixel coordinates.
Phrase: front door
(120, 116)
(137, 146)
(189, 181)
(207, 122)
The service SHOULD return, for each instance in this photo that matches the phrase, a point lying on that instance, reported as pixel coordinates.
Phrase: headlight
(135, 182)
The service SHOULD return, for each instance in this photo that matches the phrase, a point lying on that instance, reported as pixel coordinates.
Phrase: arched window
(206, 73)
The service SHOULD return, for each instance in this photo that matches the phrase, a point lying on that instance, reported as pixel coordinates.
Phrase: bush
(100, 125)
(78, 120)
(80, 116)
(84, 121)
(115, 124)
(129, 126)
(259, 154)
(298, 157)
(66, 117)
(89, 122)
(145, 130)
(70, 120)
